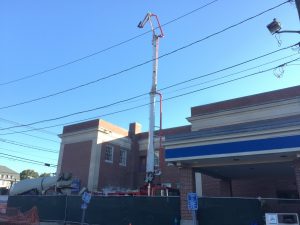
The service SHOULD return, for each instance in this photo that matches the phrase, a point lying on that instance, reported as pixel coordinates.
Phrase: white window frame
(111, 148)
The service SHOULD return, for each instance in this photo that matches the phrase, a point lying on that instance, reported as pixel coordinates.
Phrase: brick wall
(113, 174)
(170, 173)
(297, 175)
(210, 186)
(264, 186)
(76, 160)
(187, 184)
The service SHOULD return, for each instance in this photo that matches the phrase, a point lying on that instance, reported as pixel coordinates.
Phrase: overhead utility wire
(21, 159)
(187, 87)
(22, 152)
(41, 138)
(141, 64)
(144, 94)
(17, 123)
(191, 92)
(227, 68)
(231, 74)
(27, 146)
(35, 161)
(14, 159)
(232, 80)
(103, 50)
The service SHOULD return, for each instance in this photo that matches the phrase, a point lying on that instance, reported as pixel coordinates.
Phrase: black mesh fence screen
(242, 211)
(125, 210)
(229, 211)
(119, 210)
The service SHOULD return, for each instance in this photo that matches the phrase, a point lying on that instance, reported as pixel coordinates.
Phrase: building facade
(8, 177)
(244, 147)
(107, 157)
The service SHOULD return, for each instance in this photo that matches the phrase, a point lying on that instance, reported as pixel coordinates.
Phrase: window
(156, 158)
(142, 164)
(109, 153)
(287, 194)
(123, 157)
(166, 185)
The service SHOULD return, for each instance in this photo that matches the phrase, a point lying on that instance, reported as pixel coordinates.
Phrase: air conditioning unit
(282, 219)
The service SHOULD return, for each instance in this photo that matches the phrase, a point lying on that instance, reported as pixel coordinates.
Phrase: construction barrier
(141, 210)
(14, 216)
(109, 210)
(242, 211)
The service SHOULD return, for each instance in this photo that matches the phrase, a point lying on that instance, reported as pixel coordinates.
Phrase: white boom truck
(42, 184)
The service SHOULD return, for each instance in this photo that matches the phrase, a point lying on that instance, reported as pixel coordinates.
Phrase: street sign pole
(193, 205)
(82, 216)
(86, 198)
(194, 217)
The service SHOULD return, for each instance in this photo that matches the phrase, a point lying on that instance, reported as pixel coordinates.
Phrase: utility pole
(153, 92)
(297, 2)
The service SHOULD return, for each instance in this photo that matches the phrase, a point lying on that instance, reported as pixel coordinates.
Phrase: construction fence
(139, 210)
(242, 211)
(103, 210)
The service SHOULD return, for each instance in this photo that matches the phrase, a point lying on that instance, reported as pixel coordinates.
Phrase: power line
(230, 67)
(103, 50)
(21, 159)
(18, 152)
(142, 64)
(144, 94)
(27, 145)
(232, 74)
(41, 138)
(170, 98)
(232, 80)
(17, 123)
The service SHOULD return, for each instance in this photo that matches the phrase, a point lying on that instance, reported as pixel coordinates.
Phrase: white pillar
(198, 181)
(94, 166)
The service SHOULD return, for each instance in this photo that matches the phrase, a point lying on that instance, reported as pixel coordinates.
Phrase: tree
(28, 174)
(45, 174)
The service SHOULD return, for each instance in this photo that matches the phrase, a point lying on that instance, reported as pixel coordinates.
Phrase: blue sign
(75, 185)
(192, 201)
(84, 206)
(86, 197)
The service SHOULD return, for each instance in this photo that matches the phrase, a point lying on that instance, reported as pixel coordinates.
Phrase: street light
(275, 28)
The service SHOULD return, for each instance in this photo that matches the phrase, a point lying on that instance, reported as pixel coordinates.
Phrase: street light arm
(288, 31)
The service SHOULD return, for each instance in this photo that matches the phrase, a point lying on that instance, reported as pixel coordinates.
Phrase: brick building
(248, 146)
(8, 177)
(105, 156)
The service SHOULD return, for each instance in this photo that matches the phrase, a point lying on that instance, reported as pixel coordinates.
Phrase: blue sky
(39, 35)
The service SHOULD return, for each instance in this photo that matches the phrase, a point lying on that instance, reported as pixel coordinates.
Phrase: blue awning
(251, 146)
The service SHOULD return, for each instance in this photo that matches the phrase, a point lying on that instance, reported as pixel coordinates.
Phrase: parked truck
(42, 185)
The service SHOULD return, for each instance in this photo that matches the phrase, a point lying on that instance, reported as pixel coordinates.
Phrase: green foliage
(28, 174)
(45, 174)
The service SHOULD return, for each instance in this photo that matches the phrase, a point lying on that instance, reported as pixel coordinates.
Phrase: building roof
(6, 170)
(261, 125)
(96, 124)
(168, 131)
(251, 100)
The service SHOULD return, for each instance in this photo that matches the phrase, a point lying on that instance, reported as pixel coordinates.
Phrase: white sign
(192, 201)
(271, 218)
